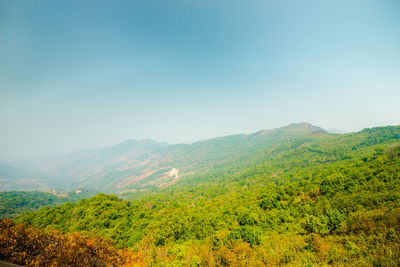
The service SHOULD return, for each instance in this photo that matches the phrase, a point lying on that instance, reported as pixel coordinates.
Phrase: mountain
(68, 171)
(216, 153)
(136, 166)
(146, 164)
(292, 196)
(90, 171)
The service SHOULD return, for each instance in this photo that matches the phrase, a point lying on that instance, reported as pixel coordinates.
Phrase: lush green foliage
(16, 202)
(321, 199)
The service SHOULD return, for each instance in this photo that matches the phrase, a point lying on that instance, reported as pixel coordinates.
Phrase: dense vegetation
(14, 203)
(27, 246)
(321, 199)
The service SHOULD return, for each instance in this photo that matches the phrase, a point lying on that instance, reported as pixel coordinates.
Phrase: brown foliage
(318, 245)
(237, 253)
(24, 245)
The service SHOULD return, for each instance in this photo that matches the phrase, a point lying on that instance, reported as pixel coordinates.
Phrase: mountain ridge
(136, 165)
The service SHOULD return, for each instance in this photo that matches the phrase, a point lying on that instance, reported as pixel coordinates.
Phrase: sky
(87, 74)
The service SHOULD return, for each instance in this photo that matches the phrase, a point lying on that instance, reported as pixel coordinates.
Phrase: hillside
(147, 165)
(28, 246)
(310, 199)
(13, 203)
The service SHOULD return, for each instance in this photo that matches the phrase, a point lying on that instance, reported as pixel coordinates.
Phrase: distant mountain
(62, 171)
(148, 165)
(81, 168)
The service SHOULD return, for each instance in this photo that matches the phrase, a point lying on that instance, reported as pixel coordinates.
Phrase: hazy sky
(84, 74)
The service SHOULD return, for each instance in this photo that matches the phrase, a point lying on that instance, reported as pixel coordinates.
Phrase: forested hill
(314, 199)
(14, 203)
(147, 165)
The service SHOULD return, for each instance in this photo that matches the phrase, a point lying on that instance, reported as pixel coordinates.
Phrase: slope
(321, 199)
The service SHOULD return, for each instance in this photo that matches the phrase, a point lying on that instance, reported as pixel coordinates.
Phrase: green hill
(309, 198)
(14, 203)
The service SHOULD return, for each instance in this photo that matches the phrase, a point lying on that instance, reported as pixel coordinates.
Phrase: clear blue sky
(84, 74)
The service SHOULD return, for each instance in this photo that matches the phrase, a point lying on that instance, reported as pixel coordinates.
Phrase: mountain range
(295, 196)
(148, 165)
